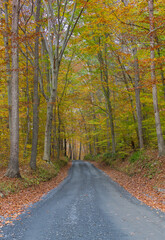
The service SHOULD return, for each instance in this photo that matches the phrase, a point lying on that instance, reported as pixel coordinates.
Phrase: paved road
(88, 205)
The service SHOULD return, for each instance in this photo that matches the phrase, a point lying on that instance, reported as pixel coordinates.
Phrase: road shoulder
(13, 205)
(139, 186)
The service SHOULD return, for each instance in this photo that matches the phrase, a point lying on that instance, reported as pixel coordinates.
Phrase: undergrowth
(136, 162)
(44, 172)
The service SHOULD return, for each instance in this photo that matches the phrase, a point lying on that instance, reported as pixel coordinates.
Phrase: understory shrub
(109, 158)
(136, 156)
(89, 157)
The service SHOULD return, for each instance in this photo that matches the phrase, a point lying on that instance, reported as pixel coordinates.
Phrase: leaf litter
(141, 187)
(12, 205)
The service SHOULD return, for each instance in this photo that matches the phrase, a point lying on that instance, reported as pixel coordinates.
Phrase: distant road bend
(88, 205)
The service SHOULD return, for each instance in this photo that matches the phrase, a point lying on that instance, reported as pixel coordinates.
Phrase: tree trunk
(28, 107)
(137, 97)
(108, 131)
(111, 124)
(48, 129)
(13, 168)
(161, 68)
(79, 158)
(54, 146)
(160, 140)
(35, 93)
(50, 104)
(65, 147)
(59, 130)
(106, 91)
(127, 86)
(7, 58)
(70, 151)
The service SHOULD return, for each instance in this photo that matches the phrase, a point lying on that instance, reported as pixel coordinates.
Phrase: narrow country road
(88, 205)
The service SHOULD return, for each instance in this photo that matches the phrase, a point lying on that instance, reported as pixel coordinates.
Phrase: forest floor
(13, 204)
(144, 179)
(141, 180)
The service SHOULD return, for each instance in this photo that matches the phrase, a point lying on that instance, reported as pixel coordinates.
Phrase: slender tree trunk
(48, 129)
(54, 147)
(127, 86)
(111, 124)
(73, 150)
(28, 108)
(161, 69)
(106, 91)
(59, 130)
(109, 105)
(70, 151)
(35, 92)
(90, 149)
(95, 138)
(13, 168)
(94, 146)
(137, 97)
(79, 158)
(108, 131)
(160, 140)
(8, 70)
(50, 104)
(65, 147)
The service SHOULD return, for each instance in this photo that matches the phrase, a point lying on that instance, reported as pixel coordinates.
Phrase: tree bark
(161, 68)
(137, 97)
(28, 107)
(106, 91)
(48, 130)
(7, 56)
(65, 147)
(59, 131)
(160, 140)
(35, 92)
(13, 168)
(70, 151)
(79, 157)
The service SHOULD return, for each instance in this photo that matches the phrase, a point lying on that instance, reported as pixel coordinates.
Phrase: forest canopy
(80, 78)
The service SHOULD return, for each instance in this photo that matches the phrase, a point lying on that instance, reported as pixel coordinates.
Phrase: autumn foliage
(90, 80)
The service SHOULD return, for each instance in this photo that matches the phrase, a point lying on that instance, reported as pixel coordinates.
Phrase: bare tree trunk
(65, 147)
(28, 108)
(35, 92)
(106, 91)
(137, 96)
(108, 131)
(127, 86)
(79, 158)
(59, 130)
(48, 129)
(13, 168)
(161, 69)
(160, 140)
(111, 124)
(8, 70)
(70, 151)
(54, 146)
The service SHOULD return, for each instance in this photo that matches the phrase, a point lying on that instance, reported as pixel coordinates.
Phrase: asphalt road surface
(88, 205)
